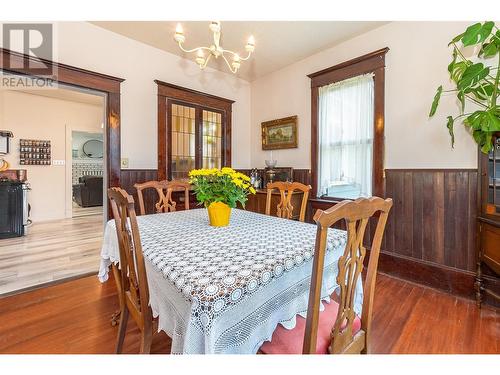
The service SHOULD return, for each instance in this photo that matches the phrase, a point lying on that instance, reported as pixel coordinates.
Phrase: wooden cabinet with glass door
(489, 222)
(194, 131)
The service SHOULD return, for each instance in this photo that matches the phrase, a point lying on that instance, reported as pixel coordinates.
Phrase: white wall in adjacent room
(44, 118)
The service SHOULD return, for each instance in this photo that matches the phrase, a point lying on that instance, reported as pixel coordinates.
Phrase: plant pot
(219, 214)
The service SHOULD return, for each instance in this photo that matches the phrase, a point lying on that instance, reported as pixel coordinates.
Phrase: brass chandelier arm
(229, 65)
(206, 61)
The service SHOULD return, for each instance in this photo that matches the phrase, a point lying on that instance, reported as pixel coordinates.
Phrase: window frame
(373, 62)
(173, 94)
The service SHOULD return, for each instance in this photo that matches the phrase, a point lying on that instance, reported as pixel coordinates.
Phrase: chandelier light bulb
(250, 47)
(236, 65)
(200, 58)
(214, 26)
(179, 34)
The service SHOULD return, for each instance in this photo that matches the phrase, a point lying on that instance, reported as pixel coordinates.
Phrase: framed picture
(279, 134)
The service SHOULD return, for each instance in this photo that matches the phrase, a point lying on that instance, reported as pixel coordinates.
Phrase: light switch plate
(124, 163)
(58, 162)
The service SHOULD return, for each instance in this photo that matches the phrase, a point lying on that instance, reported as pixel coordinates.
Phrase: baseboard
(447, 279)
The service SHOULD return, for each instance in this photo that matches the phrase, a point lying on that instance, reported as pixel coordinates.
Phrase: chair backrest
(284, 207)
(164, 189)
(356, 215)
(134, 283)
(176, 185)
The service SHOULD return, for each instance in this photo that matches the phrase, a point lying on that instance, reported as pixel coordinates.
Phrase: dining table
(225, 289)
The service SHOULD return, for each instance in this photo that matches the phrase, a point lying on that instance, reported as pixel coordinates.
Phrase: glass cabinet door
(493, 190)
(212, 139)
(196, 139)
(183, 138)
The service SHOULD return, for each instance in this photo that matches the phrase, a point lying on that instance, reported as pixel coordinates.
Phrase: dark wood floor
(74, 317)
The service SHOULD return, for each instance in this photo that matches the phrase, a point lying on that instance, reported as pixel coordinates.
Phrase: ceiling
(278, 43)
(63, 93)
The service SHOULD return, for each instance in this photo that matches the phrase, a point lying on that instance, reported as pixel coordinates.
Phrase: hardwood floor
(51, 251)
(74, 317)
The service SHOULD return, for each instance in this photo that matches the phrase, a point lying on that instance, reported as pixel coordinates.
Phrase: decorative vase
(219, 214)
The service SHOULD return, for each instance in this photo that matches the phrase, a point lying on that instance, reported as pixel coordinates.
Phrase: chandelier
(215, 49)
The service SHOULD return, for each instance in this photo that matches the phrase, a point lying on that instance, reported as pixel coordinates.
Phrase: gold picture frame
(279, 134)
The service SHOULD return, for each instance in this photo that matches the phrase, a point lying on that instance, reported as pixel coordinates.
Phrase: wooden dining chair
(284, 207)
(164, 190)
(131, 278)
(337, 329)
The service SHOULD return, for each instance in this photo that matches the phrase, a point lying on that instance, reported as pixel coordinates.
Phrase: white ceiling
(278, 43)
(63, 93)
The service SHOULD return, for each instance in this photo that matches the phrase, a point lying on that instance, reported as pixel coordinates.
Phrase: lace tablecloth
(224, 290)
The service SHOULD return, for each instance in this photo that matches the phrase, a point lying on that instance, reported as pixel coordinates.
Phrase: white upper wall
(87, 46)
(415, 66)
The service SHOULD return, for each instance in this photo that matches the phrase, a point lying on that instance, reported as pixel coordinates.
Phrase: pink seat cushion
(290, 341)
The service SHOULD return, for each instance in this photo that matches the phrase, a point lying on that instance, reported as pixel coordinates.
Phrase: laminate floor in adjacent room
(74, 317)
(51, 251)
(86, 211)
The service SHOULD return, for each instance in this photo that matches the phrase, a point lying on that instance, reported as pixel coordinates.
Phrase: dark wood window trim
(168, 92)
(14, 62)
(373, 62)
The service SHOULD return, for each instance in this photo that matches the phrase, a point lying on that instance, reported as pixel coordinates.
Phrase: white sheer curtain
(346, 111)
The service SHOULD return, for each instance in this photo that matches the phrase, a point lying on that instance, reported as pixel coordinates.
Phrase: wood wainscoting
(129, 177)
(431, 234)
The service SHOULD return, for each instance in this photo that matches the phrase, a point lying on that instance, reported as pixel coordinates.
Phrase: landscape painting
(279, 134)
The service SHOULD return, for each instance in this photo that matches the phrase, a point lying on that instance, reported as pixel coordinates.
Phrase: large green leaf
(486, 121)
(461, 98)
(483, 139)
(491, 47)
(488, 50)
(457, 69)
(472, 75)
(453, 61)
(449, 125)
(435, 102)
(482, 92)
(487, 145)
(477, 33)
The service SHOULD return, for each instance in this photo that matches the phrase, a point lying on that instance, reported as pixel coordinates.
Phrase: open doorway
(87, 172)
(50, 145)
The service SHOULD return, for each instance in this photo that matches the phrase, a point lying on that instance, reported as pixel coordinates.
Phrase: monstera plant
(476, 82)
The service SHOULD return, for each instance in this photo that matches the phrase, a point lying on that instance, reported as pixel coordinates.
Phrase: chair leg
(122, 329)
(146, 341)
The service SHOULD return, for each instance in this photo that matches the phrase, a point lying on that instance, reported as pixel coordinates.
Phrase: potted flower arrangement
(220, 190)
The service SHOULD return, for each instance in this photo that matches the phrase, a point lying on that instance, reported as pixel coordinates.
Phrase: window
(347, 128)
(194, 131)
(345, 138)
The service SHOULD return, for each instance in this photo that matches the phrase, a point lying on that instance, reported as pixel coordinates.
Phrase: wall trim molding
(17, 63)
(447, 279)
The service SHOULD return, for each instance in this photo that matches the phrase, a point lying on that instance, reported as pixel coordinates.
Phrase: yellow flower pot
(219, 214)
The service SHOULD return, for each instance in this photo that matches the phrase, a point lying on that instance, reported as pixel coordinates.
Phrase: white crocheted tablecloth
(224, 290)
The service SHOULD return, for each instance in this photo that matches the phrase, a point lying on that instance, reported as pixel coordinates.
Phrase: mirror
(93, 148)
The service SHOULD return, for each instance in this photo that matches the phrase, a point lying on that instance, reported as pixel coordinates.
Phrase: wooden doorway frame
(17, 63)
(186, 96)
